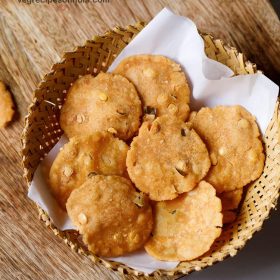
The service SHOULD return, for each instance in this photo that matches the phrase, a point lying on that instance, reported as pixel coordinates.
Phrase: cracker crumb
(80, 118)
(103, 96)
(172, 108)
(112, 130)
(82, 219)
(181, 167)
(88, 160)
(222, 151)
(243, 123)
(67, 171)
(150, 73)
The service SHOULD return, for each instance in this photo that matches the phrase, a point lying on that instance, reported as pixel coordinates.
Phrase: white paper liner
(175, 37)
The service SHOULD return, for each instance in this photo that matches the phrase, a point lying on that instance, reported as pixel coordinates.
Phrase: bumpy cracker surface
(82, 157)
(233, 140)
(113, 218)
(160, 83)
(167, 158)
(187, 226)
(106, 102)
(6, 106)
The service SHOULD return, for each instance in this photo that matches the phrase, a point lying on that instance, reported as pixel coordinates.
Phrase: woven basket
(42, 131)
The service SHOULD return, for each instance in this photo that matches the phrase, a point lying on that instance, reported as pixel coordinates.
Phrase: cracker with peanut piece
(233, 140)
(186, 227)
(167, 158)
(160, 82)
(82, 157)
(112, 217)
(106, 102)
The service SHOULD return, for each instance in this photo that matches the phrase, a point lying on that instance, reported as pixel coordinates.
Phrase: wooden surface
(32, 38)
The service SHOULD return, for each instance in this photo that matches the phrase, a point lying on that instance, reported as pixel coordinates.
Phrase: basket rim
(120, 267)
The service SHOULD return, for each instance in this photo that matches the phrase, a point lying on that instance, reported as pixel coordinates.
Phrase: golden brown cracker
(113, 218)
(106, 102)
(6, 106)
(167, 158)
(187, 226)
(160, 82)
(233, 140)
(83, 157)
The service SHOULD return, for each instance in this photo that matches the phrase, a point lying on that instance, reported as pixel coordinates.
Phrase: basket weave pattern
(42, 131)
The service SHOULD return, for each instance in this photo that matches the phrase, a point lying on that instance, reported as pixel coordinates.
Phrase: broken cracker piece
(6, 106)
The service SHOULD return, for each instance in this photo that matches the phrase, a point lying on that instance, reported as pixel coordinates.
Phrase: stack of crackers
(141, 170)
